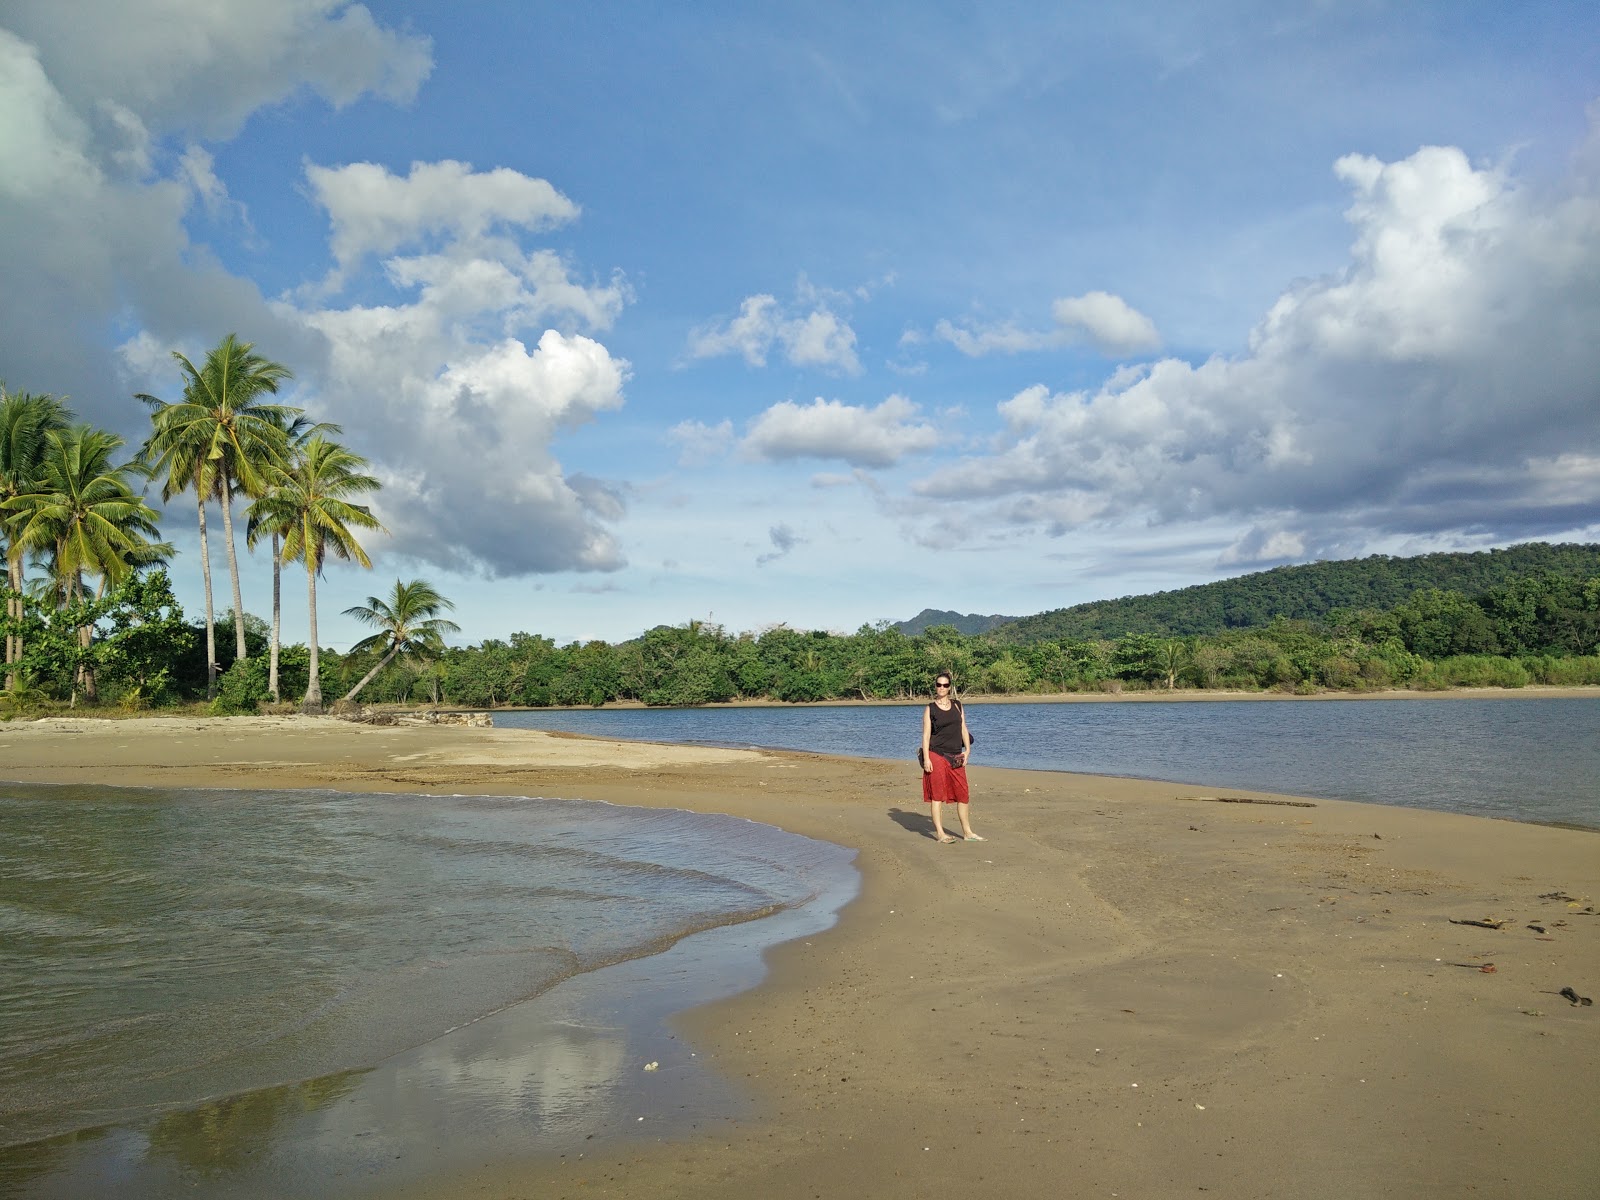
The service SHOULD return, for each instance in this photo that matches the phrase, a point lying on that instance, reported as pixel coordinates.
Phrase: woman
(946, 746)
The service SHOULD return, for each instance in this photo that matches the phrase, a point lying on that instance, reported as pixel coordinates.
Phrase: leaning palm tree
(86, 517)
(407, 623)
(311, 506)
(220, 438)
(297, 432)
(26, 421)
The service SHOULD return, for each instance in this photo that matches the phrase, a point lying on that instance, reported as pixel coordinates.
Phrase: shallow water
(1528, 759)
(160, 948)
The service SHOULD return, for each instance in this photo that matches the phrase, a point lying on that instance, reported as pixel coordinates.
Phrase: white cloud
(817, 338)
(1444, 381)
(94, 192)
(699, 443)
(205, 65)
(469, 367)
(464, 434)
(442, 381)
(1107, 322)
(197, 169)
(863, 437)
(373, 211)
(749, 335)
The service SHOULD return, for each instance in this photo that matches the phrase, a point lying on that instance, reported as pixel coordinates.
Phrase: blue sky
(825, 314)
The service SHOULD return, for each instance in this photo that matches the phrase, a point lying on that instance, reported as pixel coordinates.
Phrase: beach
(1131, 989)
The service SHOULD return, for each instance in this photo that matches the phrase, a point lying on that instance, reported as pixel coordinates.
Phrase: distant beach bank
(1129, 696)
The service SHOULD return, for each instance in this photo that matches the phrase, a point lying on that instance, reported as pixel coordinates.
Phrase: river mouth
(459, 1007)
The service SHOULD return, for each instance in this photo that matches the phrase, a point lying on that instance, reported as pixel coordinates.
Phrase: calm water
(1526, 759)
(158, 948)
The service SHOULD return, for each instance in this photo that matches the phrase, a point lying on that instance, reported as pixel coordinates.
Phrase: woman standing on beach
(946, 746)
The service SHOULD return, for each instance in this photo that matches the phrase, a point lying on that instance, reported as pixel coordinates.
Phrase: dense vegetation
(89, 611)
(90, 617)
(1538, 629)
(1309, 592)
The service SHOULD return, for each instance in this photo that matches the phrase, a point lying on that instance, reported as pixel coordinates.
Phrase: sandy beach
(1130, 989)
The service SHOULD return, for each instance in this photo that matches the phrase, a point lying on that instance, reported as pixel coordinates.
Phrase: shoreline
(1281, 983)
(1149, 696)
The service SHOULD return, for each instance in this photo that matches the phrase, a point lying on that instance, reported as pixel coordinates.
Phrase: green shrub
(242, 688)
(1577, 671)
(1482, 670)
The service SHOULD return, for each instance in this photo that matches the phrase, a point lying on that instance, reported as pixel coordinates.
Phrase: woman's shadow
(913, 822)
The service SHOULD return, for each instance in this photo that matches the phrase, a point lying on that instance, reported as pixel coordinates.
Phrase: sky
(824, 314)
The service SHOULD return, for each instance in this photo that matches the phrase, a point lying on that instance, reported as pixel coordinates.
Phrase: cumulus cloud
(1445, 380)
(861, 436)
(372, 211)
(469, 350)
(1108, 321)
(98, 172)
(1105, 321)
(815, 338)
(203, 66)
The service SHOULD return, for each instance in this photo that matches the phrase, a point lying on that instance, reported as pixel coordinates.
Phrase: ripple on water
(160, 947)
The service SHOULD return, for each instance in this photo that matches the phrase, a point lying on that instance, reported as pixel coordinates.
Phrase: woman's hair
(947, 677)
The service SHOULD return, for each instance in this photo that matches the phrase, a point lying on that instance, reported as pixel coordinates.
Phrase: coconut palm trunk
(225, 495)
(372, 674)
(211, 619)
(313, 700)
(277, 619)
(13, 610)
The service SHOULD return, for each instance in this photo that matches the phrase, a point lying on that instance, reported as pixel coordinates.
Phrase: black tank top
(946, 738)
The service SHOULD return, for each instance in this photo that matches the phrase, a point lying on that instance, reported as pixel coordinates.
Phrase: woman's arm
(927, 736)
(966, 737)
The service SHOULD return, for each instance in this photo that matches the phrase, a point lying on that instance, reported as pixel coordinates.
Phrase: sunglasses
(941, 685)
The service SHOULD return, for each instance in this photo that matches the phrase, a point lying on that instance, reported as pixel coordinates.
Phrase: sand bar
(1131, 989)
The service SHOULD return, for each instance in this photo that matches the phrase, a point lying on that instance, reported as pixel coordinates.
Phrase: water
(1529, 759)
(159, 948)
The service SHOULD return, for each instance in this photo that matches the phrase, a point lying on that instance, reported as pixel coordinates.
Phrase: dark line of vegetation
(1308, 592)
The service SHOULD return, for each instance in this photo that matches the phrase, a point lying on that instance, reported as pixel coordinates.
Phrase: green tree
(86, 518)
(220, 438)
(408, 623)
(312, 506)
(297, 431)
(144, 633)
(26, 421)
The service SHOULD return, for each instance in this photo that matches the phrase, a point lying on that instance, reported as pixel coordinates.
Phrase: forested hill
(968, 623)
(1307, 592)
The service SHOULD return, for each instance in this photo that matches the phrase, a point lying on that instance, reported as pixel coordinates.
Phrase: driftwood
(1250, 800)
(1486, 924)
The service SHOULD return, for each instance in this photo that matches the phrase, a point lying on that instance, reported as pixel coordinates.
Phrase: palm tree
(218, 439)
(26, 420)
(407, 623)
(296, 433)
(310, 505)
(85, 516)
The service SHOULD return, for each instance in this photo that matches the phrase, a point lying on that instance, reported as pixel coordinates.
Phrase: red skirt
(945, 783)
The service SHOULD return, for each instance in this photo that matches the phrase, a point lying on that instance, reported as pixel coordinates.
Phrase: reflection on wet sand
(226, 1136)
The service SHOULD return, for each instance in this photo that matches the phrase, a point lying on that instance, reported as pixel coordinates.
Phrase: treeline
(88, 607)
(1544, 629)
(1309, 592)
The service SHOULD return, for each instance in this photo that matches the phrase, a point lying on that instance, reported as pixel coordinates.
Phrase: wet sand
(1130, 989)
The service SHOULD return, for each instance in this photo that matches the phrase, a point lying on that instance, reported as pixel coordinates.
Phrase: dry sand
(1129, 990)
